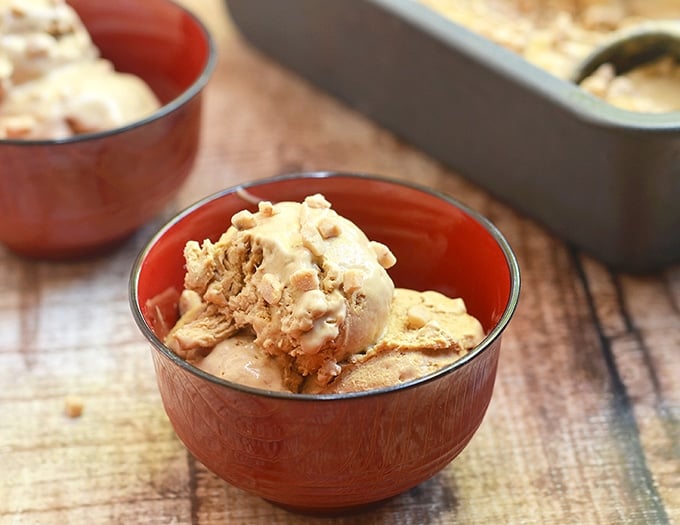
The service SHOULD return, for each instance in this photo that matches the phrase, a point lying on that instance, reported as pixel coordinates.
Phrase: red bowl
(336, 452)
(73, 197)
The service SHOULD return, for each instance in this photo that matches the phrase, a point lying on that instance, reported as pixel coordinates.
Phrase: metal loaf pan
(606, 180)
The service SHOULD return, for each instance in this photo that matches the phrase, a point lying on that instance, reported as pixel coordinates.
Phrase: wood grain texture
(584, 426)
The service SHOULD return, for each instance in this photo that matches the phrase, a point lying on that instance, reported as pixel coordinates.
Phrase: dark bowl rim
(487, 342)
(171, 106)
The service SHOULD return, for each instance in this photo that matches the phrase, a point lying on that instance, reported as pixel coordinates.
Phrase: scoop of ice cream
(650, 88)
(83, 97)
(308, 284)
(428, 320)
(237, 358)
(53, 84)
(38, 36)
(425, 331)
(240, 360)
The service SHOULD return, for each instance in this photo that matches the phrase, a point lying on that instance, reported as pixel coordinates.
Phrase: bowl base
(66, 253)
(329, 512)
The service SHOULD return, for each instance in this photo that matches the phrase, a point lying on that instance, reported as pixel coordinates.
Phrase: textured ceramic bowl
(73, 197)
(331, 453)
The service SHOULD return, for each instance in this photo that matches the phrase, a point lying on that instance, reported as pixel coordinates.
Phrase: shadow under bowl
(78, 196)
(337, 452)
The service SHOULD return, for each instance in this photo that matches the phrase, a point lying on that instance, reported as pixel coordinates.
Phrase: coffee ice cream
(425, 332)
(295, 297)
(557, 35)
(649, 88)
(53, 82)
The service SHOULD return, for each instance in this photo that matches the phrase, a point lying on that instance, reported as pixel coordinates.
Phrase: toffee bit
(317, 201)
(386, 258)
(266, 208)
(353, 280)
(271, 288)
(328, 228)
(73, 406)
(305, 280)
(243, 220)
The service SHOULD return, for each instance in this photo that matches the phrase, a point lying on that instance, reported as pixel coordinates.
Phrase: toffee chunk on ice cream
(295, 297)
(53, 82)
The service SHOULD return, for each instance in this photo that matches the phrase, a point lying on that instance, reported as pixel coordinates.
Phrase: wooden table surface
(584, 426)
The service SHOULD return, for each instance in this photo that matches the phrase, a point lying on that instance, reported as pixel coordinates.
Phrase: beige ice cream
(651, 88)
(556, 35)
(53, 84)
(240, 360)
(425, 331)
(296, 298)
(306, 282)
